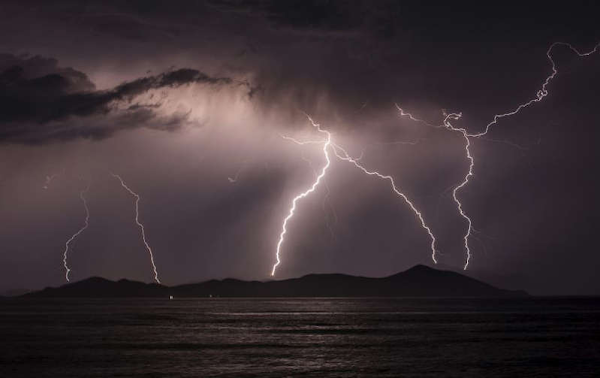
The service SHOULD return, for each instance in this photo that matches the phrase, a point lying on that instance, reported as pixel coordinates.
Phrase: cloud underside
(40, 101)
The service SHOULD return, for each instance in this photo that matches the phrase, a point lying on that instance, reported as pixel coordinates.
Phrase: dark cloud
(36, 94)
(314, 15)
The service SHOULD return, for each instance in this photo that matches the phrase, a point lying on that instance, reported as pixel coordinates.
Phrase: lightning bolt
(346, 157)
(341, 154)
(75, 235)
(404, 113)
(137, 221)
(304, 194)
(325, 200)
(542, 92)
(540, 95)
(448, 125)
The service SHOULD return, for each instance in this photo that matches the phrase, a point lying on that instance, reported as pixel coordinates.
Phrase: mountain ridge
(418, 281)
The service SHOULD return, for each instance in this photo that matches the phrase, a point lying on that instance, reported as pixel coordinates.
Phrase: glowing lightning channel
(75, 235)
(346, 157)
(325, 198)
(540, 94)
(137, 221)
(404, 113)
(543, 91)
(456, 116)
(326, 144)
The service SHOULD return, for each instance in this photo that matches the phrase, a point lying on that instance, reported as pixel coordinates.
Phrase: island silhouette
(418, 281)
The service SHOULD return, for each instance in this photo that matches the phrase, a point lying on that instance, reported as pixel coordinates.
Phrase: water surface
(331, 337)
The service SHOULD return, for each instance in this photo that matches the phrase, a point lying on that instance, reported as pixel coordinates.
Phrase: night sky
(187, 102)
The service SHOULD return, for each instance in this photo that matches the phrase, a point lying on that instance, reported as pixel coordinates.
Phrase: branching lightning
(456, 116)
(341, 154)
(448, 117)
(346, 157)
(304, 194)
(82, 194)
(137, 221)
(542, 92)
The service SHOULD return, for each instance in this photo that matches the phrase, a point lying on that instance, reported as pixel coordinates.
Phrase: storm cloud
(36, 95)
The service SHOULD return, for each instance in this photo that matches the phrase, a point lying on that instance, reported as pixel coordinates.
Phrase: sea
(300, 337)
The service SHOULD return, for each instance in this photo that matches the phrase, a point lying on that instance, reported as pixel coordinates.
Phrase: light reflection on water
(338, 337)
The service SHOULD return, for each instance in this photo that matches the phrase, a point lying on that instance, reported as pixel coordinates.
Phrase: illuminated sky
(187, 102)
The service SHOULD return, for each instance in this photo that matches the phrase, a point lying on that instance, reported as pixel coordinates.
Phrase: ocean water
(324, 337)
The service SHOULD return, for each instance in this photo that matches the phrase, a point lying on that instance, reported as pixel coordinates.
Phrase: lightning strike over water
(137, 221)
(540, 94)
(344, 156)
(326, 144)
(341, 154)
(456, 116)
(75, 235)
(326, 203)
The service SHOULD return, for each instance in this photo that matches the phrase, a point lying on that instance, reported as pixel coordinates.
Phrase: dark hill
(419, 281)
(97, 287)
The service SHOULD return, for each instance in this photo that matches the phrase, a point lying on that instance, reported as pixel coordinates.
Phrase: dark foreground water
(534, 337)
